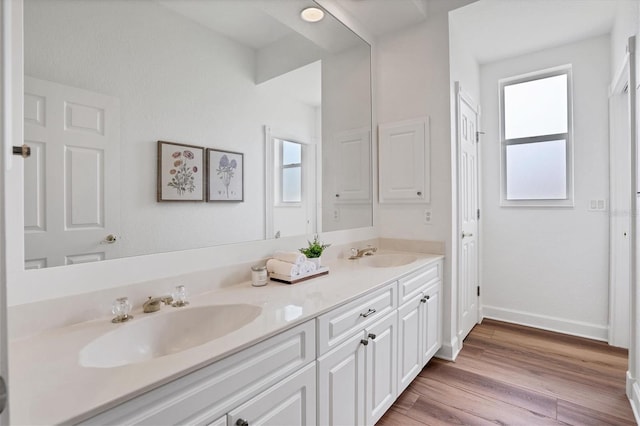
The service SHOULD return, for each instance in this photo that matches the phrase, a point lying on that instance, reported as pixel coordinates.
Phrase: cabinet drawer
(208, 393)
(338, 325)
(414, 283)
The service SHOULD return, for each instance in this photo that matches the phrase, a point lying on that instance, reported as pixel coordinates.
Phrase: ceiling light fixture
(312, 14)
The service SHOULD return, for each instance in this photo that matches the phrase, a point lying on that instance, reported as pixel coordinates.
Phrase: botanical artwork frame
(225, 175)
(180, 172)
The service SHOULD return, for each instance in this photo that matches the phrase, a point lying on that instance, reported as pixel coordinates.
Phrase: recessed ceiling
(382, 17)
(499, 29)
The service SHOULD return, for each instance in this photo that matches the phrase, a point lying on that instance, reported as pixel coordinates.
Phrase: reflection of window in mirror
(290, 159)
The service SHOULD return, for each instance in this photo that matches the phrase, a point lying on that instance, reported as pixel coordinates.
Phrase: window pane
(291, 153)
(537, 171)
(291, 185)
(535, 108)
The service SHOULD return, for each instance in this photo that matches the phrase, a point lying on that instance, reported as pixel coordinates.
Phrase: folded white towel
(308, 267)
(283, 268)
(290, 256)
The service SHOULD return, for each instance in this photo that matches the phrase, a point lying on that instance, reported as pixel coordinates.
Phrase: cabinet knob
(242, 422)
(338, 195)
(428, 297)
(423, 300)
(419, 193)
(364, 342)
(369, 312)
(371, 336)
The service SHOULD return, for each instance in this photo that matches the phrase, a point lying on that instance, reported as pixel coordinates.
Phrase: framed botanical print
(225, 171)
(180, 172)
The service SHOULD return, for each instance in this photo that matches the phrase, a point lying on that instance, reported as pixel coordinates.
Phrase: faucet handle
(354, 252)
(180, 297)
(121, 308)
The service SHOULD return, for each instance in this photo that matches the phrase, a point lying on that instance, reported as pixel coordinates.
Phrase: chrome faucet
(153, 304)
(358, 253)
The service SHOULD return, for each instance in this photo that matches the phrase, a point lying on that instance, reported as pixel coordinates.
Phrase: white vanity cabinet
(357, 373)
(290, 402)
(272, 378)
(419, 322)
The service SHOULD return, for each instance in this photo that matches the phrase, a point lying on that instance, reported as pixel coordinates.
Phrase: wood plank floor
(513, 375)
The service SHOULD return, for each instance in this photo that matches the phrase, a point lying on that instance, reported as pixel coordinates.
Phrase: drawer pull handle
(369, 312)
(242, 422)
(423, 300)
(371, 336)
(364, 342)
(428, 297)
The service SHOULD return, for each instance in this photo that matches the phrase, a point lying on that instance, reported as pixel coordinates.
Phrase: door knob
(110, 239)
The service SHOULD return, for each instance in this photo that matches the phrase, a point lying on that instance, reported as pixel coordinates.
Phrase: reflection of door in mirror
(71, 181)
(290, 189)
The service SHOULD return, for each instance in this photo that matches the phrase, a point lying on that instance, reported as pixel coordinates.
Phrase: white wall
(177, 81)
(548, 267)
(414, 81)
(626, 24)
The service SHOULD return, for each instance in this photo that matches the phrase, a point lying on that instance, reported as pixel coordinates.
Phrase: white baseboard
(560, 325)
(449, 350)
(635, 400)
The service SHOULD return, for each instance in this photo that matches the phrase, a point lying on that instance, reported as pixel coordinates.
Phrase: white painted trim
(629, 385)
(635, 401)
(5, 131)
(545, 322)
(449, 350)
(619, 291)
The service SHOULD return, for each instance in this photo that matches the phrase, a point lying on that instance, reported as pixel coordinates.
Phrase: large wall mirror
(105, 80)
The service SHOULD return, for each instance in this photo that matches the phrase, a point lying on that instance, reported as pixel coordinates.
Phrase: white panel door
(292, 402)
(72, 180)
(404, 161)
(382, 367)
(410, 341)
(341, 384)
(468, 212)
(353, 171)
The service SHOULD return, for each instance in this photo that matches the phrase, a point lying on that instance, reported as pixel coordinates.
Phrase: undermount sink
(388, 260)
(149, 337)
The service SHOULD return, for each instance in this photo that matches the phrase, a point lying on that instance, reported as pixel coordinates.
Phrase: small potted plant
(314, 251)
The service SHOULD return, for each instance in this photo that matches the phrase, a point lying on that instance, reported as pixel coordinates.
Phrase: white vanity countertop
(48, 386)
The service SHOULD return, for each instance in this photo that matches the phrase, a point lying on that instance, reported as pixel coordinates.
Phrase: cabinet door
(341, 384)
(353, 169)
(222, 421)
(291, 402)
(433, 323)
(410, 341)
(382, 367)
(404, 161)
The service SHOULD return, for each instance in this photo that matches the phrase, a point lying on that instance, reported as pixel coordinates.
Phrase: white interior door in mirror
(353, 166)
(72, 180)
(404, 161)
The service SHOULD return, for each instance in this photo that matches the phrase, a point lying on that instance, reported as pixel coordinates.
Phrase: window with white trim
(536, 139)
(290, 172)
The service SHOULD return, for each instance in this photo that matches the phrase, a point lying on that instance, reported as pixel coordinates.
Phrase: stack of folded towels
(290, 263)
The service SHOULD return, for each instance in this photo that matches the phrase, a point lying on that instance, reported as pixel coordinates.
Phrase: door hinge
(478, 291)
(478, 214)
(478, 136)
